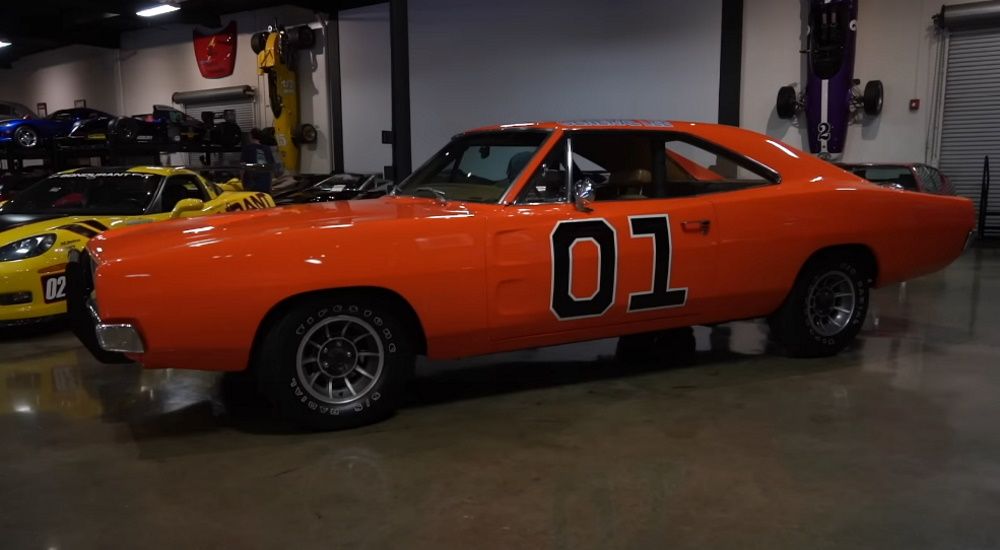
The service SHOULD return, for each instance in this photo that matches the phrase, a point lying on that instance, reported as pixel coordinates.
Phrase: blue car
(29, 131)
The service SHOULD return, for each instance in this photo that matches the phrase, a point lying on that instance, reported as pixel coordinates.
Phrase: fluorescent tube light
(157, 10)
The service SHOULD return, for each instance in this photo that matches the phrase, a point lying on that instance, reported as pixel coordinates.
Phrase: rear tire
(301, 38)
(305, 134)
(228, 135)
(787, 103)
(825, 309)
(873, 98)
(337, 362)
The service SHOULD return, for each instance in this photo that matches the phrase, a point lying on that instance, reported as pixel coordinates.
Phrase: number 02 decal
(567, 306)
(54, 287)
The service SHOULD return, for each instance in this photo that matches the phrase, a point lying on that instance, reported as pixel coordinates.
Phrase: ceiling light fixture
(4, 44)
(157, 10)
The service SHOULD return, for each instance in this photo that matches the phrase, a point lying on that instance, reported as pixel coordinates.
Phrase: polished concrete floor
(893, 444)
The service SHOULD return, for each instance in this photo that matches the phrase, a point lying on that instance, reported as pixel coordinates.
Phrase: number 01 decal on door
(567, 306)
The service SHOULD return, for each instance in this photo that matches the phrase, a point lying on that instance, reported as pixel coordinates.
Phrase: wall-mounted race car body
(832, 97)
(513, 237)
(31, 132)
(63, 212)
(164, 125)
(908, 177)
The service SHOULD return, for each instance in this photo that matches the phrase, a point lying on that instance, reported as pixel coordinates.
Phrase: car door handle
(697, 226)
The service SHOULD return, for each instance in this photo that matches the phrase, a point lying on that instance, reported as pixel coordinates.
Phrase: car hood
(15, 226)
(295, 221)
(12, 221)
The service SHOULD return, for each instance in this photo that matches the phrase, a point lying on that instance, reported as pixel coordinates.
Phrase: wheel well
(382, 294)
(862, 253)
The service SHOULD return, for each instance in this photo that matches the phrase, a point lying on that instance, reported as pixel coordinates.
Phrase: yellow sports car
(44, 222)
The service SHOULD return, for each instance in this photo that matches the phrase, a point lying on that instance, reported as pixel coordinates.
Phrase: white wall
(896, 44)
(61, 76)
(478, 63)
(365, 87)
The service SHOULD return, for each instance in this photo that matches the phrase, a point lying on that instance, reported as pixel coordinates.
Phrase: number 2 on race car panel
(565, 305)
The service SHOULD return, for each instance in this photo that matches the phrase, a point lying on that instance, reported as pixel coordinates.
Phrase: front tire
(336, 363)
(26, 137)
(825, 309)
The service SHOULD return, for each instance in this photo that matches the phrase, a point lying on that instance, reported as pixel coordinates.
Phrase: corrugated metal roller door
(971, 125)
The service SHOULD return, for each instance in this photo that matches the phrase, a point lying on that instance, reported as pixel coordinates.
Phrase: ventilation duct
(214, 95)
(976, 15)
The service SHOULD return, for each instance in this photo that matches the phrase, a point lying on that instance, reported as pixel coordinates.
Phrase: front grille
(15, 298)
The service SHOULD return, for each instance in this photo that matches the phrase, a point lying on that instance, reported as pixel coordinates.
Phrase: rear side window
(889, 175)
(694, 168)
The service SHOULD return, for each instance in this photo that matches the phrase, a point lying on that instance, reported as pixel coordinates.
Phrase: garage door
(971, 125)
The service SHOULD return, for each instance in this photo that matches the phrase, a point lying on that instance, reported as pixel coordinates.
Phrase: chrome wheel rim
(27, 138)
(830, 303)
(339, 359)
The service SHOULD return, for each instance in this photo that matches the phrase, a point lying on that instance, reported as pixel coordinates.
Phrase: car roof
(879, 164)
(150, 170)
(590, 123)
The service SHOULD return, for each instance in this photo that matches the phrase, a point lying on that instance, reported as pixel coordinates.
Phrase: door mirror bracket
(583, 195)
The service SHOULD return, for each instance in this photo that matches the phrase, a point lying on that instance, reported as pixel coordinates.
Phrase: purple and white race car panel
(831, 97)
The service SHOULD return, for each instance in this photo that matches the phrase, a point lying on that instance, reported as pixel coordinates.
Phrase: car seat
(631, 184)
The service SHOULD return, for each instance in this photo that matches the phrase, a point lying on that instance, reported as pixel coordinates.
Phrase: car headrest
(517, 163)
(638, 176)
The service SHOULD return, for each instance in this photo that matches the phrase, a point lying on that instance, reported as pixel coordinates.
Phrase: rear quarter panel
(766, 235)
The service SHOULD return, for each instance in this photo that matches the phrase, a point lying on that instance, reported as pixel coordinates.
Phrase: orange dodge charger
(512, 237)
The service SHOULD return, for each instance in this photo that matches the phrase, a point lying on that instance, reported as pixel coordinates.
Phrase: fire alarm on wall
(914, 104)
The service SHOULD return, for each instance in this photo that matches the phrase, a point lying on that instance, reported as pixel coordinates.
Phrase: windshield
(475, 168)
(109, 193)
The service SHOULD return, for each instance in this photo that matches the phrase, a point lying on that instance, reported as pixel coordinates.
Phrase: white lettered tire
(825, 309)
(337, 362)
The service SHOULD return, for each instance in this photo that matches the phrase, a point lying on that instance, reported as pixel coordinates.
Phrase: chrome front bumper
(115, 337)
(969, 240)
(105, 341)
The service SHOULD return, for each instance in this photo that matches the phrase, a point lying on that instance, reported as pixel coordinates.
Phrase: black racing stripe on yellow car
(79, 229)
(95, 224)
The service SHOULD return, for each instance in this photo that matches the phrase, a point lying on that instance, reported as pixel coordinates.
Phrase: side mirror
(583, 195)
(186, 205)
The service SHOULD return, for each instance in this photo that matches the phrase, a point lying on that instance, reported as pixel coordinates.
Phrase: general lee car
(512, 237)
(41, 224)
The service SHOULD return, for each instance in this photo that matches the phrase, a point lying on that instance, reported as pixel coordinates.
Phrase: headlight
(27, 248)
